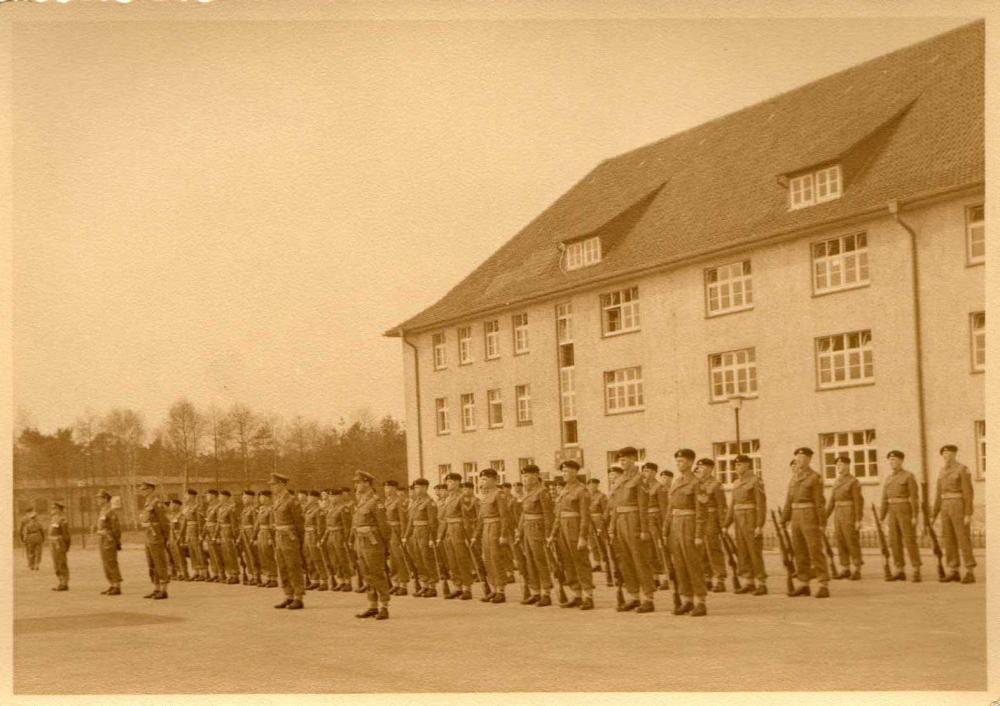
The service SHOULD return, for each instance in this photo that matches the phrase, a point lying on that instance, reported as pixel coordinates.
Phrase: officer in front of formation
(953, 503)
(156, 529)
(901, 505)
(371, 534)
(109, 543)
(289, 532)
(805, 511)
(59, 541)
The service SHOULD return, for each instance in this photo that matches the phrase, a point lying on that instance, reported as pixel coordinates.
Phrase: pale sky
(236, 211)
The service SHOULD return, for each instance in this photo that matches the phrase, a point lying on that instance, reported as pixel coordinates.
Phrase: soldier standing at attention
(180, 572)
(953, 502)
(657, 501)
(247, 516)
(713, 554)
(685, 536)
(420, 531)
(571, 536)
(440, 494)
(32, 536)
(370, 530)
(804, 509)
(334, 538)
(211, 534)
(289, 529)
(395, 512)
(598, 528)
(748, 512)
(156, 527)
(507, 550)
(629, 528)
(452, 532)
(59, 541)
(227, 530)
(263, 532)
(191, 530)
(901, 505)
(470, 513)
(533, 529)
(314, 520)
(493, 530)
(109, 542)
(847, 506)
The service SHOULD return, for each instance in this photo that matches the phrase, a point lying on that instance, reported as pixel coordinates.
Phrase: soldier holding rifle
(493, 531)
(245, 543)
(804, 511)
(657, 500)
(629, 528)
(685, 536)
(451, 534)
(264, 537)
(953, 502)
(533, 529)
(900, 508)
(748, 513)
(570, 536)
(191, 529)
(847, 506)
(713, 552)
(419, 533)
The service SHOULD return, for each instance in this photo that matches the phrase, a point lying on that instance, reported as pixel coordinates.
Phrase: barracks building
(807, 271)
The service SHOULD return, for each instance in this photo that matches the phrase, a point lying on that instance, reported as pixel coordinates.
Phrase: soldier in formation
(156, 532)
(953, 504)
(109, 543)
(32, 537)
(59, 541)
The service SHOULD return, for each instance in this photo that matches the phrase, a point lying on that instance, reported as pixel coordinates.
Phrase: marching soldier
(804, 509)
(657, 502)
(180, 572)
(748, 512)
(335, 542)
(370, 530)
(901, 504)
(247, 536)
(953, 502)
(59, 541)
(685, 536)
(452, 531)
(32, 536)
(713, 554)
(493, 530)
(264, 532)
(156, 527)
(226, 531)
(847, 506)
(315, 526)
(598, 529)
(191, 530)
(629, 528)
(210, 533)
(395, 512)
(571, 536)
(109, 542)
(421, 529)
(533, 529)
(289, 529)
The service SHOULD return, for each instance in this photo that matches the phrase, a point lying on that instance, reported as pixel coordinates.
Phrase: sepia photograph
(534, 350)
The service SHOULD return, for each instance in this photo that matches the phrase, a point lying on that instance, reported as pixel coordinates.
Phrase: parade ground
(213, 638)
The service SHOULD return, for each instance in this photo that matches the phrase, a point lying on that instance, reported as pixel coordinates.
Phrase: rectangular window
(525, 461)
(733, 373)
(975, 234)
(800, 191)
(520, 328)
(465, 345)
(728, 288)
(567, 391)
(494, 409)
(492, 331)
(840, 263)
(725, 453)
(981, 449)
(522, 394)
(443, 470)
(977, 325)
(468, 412)
(570, 437)
(859, 446)
(844, 359)
(441, 412)
(583, 253)
(501, 468)
(827, 184)
(470, 471)
(623, 390)
(620, 311)
(440, 352)
(564, 322)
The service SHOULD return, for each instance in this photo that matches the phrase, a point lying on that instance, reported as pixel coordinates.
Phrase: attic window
(814, 187)
(583, 253)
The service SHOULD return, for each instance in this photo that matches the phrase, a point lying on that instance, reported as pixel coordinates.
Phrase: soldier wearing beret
(493, 531)
(847, 506)
(264, 534)
(470, 515)
(59, 541)
(211, 537)
(805, 510)
(629, 503)
(370, 532)
(395, 512)
(334, 542)
(657, 501)
(226, 531)
(191, 528)
(598, 503)
(156, 528)
(314, 521)
(508, 549)
(245, 543)
(953, 502)
(419, 533)
(714, 498)
(685, 536)
(289, 531)
(452, 535)
(532, 531)
(179, 571)
(571, 535)
(109, 542)
(748, 512)
(900, 506)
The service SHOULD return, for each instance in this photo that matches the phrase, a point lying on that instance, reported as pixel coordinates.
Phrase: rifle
(935, 545)
(410, 565)
(241, 556)
(668, 565)
(616, 571)
(475, 569)
(525, 590)
(556, 561)
(786, 552)
(730, 546)
(882, 544)
(442, 572)
(829, 555)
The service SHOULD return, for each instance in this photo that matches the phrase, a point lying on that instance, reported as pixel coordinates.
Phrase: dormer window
(815, 187)
(583, 253)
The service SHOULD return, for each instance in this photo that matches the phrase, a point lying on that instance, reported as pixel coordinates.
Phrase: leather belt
(801, 506)
(745, 506)
(490, 520)
(712, 509)
(246, 527)
(284, 527)
(682, 513)
(951, 496)
(393, 523)
(653, 510)
(845, 503)
(596, 516)
(211, 524)
(420, 523)
(146, 524)
(626, 508)
(454, 520)
(569, 513)
(364, 529)
(899, 501)
(529, 516)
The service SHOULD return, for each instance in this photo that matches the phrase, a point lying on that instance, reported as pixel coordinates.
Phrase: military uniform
(494, 524)
(211, 538)
(571, 535)
(713, 553)
(33, 537)
(370, 529)
(180, 570)
(657, 505)
(264, 533)
(687, 524)
(628, 504)
(192, 529)
(804, 509)
(109, 542)
(314, 520)
(470, 516)
(226, 531)
(534, 528)
(598, 530)
(395, 512)
(289, 529)
(248, 546)
(156, 528)
(748, 512)
(900, 505)
(452, 531)
(514, 548)
(59, 541)
(953, 502)
(335, 543)
(421, 529)
(847, 506)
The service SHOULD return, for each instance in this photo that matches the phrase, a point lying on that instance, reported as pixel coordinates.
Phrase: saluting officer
(686, 536)
(804, 509)
(571, 535)
(953, 502)
(629, 528)
(109, 542)
(901, 505)
(847, 506)
(289, 531)
(370, 530)
(59, 541)
(452, 532)
(156, 527)
(748, 512)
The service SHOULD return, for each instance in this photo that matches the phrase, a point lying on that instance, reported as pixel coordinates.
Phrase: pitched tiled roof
(906, 124)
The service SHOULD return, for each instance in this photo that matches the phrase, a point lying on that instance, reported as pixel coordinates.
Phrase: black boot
(284, 604)
(370, 613)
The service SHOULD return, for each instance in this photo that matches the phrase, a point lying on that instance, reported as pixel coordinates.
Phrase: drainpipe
(893, 206)
(416, 381)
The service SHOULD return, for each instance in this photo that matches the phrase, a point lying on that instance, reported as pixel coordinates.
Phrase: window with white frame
(815, 187)
(728, 288)
(524, 461)
(975, 233)
(443, 470)
(583, 253)
(623, 390)
(520, 328)
(613, 456)
(733, 373)
(977, 326)
(468, 411)
(494, 409)
(827, 184)
(567, 391)
(440, 351)
(844, 359)
(840, 263)
(564, 322)
(800, 191)
(441, 413)
(981, 449)
(492, 330)
(859, 446)
(465, 345)
(522, 396)
(470, 471)
(620, 311)
(725, 453)
(501, 468)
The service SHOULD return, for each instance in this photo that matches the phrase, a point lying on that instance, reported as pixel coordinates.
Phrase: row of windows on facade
(842, 360)
(837, 264)
(857, 445)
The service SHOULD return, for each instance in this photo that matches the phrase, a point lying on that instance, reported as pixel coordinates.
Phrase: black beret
(391, 483)
(667, 472)
(897, 454)
(530, 468)
(440, 486)
(505, 485)
(345, 489)
(650, 465)
(226, 493)
(559, 480)
(314, 493)
(519, 483)
(685, 453)
(212, 491)
(192, 492)
(265, 493)
(628, 451)
(948, 447)
(249, 492)
(104, 494)
(175, 501)
(488, 473)
(594, 481)
(804, 450)
(706, 462)
(421, 481)
(454, 476)
(569, 464)
(58, 505)
(335, 492)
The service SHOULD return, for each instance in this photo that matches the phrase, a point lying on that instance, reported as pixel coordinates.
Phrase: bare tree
(127, 432)
(244, 425)
(302, 438)
(220, 432)
(185, 428)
